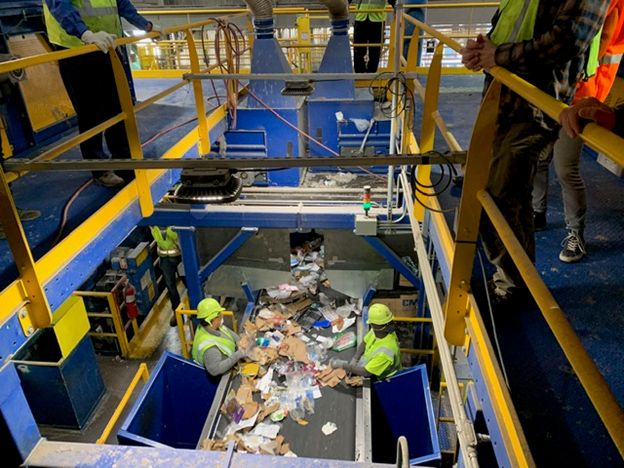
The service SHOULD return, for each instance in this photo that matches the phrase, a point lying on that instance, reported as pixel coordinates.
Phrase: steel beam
(239, 239)
(392, 258)
(316, 77)
(430, 158)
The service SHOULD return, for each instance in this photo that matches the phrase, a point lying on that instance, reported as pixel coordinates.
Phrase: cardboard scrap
(266, 410)
(292, 329)
(244, 342)
(296, 307)
(285, 448)
(295, 349)
(250, 328)
(331, 376)
(263, 356)
(355, 380)
(251, 410)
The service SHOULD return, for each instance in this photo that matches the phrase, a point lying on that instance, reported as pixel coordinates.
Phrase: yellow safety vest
(382, 357)
(98, 15)
(375, 17)
(204, 340)
(167, 246)
(516, 21)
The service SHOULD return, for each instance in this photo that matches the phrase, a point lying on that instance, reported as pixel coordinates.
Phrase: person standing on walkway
(567, 152)
(89, 78)
(368, 29)
(170, 256)
(545, 43)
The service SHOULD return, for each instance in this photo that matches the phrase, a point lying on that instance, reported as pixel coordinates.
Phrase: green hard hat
(379, 314)
(208, 309)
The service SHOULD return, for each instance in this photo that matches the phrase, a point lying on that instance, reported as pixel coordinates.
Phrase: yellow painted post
(132, 131)
(120, 331)
(475, 179)
(204, 138)
(427, 133)
(390, 48)
(304, 34)
(38, 308)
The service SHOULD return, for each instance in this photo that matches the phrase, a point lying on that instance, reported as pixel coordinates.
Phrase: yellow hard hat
(379, 314)
(208, 309)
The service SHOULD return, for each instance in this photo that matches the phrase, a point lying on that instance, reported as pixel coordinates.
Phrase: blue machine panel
(172, 407)
(61, 391)
(406, 403)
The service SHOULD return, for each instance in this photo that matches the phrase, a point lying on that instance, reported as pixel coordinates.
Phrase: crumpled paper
(295, 349)
(331, 376)
(329, 428)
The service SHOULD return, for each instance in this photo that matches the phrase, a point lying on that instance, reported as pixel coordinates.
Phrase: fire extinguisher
(131, 305)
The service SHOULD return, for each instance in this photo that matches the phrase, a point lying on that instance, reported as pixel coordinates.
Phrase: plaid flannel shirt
(554, 59)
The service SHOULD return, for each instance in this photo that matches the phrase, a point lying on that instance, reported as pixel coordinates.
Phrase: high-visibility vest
(167, 246)
(375, 17)
(382, 357)
(98, 15)
(609, 55)
(516, 21)
(204, 340)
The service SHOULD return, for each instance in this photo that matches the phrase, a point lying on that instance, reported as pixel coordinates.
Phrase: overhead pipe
(263, 18)
(338, 15)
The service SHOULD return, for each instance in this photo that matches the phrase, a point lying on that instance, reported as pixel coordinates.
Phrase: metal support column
(190, 257)
(239, 239)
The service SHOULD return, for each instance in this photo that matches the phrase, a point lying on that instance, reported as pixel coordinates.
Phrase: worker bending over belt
(214, 345)
(378, 354)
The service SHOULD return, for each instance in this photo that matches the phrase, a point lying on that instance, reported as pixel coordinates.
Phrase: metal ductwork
(262, 12)
(338, 9)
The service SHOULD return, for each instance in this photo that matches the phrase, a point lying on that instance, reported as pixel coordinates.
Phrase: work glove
(337, 363)
(155, 27)
(102, 39)
(240, 354)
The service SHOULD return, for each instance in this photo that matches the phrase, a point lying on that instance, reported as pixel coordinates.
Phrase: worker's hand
(479, 54)
(102, 39)
(240, 354)
(337, 363)
(588, 108)
(155, 27)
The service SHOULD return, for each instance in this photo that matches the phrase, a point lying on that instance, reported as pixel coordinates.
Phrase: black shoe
(573, 247)
(539, 221)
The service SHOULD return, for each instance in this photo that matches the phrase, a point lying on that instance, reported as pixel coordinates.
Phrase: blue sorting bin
(172, 407)
(402, 407)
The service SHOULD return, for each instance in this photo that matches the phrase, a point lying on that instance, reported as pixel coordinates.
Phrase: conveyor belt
(337, 405)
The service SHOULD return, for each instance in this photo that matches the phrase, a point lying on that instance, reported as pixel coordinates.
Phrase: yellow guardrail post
(204, 137)
(304, 34)
(132, 132)
(476, 175)
(141, 373)
(38, 308)
(427, 133)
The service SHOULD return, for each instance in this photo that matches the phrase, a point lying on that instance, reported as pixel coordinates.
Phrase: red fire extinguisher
(131, 305)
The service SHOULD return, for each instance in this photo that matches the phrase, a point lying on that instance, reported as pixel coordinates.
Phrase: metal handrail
(142, 372)
(597, 137)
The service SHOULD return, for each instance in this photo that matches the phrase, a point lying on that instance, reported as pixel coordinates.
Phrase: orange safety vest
(609, 56)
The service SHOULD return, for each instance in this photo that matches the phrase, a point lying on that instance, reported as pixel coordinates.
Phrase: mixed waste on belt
(287, 359)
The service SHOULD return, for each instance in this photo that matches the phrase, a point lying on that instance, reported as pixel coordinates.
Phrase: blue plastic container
(405, 409)
(173, 406)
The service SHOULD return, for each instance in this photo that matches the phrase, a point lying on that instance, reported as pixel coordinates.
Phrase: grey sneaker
(110, 179)
(573, 247)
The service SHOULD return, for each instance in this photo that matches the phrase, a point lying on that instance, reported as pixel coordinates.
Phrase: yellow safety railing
(142, 373)
(416, 320)
(475, 197)
(186, 330)
(31, 278)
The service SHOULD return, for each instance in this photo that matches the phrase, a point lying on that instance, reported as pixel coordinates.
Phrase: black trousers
(90, 83)
(367, 32)
(169, 267)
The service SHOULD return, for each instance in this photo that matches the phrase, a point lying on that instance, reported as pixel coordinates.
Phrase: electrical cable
(487, 295)
(417, 186)
(59, 233)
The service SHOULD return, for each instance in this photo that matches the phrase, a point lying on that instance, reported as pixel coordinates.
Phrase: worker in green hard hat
(379, 353)
(214, 346)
